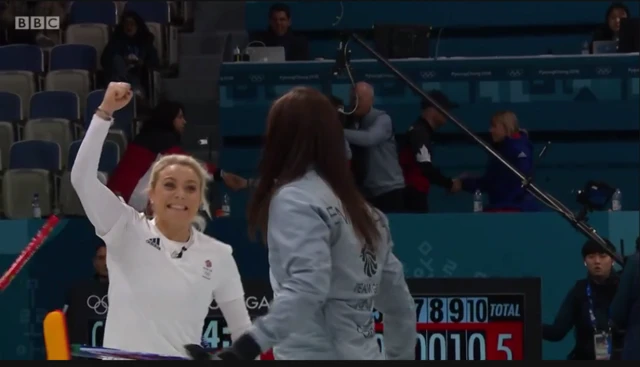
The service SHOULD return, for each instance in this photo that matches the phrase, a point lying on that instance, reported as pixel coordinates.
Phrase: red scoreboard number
(471, 328)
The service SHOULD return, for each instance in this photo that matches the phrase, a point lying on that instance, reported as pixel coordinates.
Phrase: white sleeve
(106, 212)
(237, 317)
(229, 295)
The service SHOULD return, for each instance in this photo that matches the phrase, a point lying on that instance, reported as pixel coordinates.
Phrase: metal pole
(565, 212)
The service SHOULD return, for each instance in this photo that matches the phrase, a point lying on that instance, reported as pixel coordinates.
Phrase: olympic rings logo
(99, 305)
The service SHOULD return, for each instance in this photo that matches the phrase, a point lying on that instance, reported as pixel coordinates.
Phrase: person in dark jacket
(625, 307)
(130, 53)
(502, 186)
(609, 30)
(279, 34)
(160, 135)
(416, 155)
(86, 303)
(585, 308)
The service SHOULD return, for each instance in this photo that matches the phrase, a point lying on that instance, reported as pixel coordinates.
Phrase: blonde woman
(503, 188)
(163, 273)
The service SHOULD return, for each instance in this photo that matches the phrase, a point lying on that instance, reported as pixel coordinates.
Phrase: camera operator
(625, 307)
(586, 309)
(383, 182)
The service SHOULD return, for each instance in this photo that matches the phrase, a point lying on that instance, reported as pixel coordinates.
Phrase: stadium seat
(7, 137)
(158, 40)
(76, 81)
(55, 104)
(69, 202)
(73, 56)
(96, 35)
(35, 154)
(10, 107)
(123, 118)
(53, 130)
(108, 159)
(150, 11)
(21, 57)
(21, 83)
(101, 12)
(18, 188)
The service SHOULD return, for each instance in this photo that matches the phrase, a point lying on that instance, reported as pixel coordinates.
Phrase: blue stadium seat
(55, 104)
(123, 118)
(150, 11)
(22, 58)
(35, 154)
(10, 107)
(80, 57)
(108, 159)
(101, 12)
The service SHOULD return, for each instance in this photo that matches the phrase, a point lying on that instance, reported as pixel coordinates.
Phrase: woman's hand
(116, 97)
(233, 181)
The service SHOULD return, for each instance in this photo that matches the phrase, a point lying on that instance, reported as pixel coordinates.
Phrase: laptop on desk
(266, 54)
(605, 47)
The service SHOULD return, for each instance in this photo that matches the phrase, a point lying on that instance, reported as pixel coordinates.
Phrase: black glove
(243, 349)
(198, 353)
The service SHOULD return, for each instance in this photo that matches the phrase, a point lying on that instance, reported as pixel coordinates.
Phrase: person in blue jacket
(503, 187)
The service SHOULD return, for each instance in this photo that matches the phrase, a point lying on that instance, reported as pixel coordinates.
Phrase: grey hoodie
(326, 286)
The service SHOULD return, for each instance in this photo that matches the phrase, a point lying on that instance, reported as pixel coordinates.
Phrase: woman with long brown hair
(330, 253)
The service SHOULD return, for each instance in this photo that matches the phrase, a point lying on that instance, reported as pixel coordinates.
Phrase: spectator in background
(609, 30)
(416, 155)
(503, 187)
(586, 306)
(130, 53)
(625, 307)
(279, 34)
(81, 297)
(383, 183)
(160, 135)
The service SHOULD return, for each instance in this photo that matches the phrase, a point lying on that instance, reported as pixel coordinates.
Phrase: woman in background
(160, 135)
(609, 30)
(130, 53)
(502, 186)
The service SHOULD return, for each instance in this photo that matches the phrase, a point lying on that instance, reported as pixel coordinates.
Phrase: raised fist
(116, 97)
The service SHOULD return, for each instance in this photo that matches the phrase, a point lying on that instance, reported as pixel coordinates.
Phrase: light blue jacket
(326, 286)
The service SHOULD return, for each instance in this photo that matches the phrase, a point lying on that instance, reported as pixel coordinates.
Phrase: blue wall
(445, 245)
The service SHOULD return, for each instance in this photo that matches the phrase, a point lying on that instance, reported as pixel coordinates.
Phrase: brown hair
(303, 132)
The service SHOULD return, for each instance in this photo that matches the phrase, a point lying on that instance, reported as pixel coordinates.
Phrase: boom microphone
(343, 56)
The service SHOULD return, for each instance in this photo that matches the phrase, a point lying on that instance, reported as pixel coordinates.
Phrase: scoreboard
(475, 319)
(457, 319)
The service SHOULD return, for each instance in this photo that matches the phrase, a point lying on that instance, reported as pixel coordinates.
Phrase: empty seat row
(60, 105)
(35, 168)
(48, 144)
(20, 185)
(62, 57)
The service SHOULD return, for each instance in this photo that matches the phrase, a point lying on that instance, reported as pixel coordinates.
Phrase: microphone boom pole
(580, 224)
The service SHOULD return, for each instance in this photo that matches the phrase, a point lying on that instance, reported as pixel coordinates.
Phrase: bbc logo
(37, 23)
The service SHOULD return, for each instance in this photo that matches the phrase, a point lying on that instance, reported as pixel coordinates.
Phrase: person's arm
(621, 303)
(106, 212)
(563, 323)
(229, 295)
(396, 304)
(379, 131)
(300, 239)
(419, 143)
